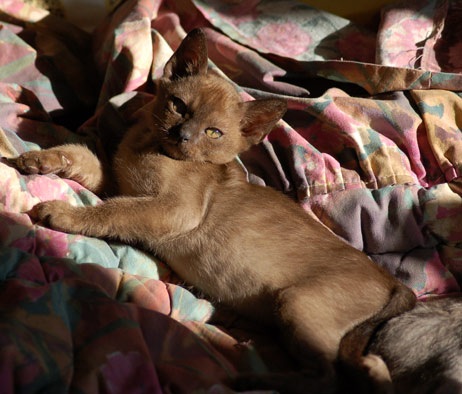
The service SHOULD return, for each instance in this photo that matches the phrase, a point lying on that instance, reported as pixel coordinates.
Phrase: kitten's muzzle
(178, 134)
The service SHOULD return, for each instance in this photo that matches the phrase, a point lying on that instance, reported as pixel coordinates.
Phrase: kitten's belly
(233, 285)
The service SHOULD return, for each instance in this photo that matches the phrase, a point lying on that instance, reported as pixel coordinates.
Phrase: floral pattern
(371, 146)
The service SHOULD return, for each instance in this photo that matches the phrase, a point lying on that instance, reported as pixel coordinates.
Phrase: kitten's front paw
(41, 162)
(57, 215)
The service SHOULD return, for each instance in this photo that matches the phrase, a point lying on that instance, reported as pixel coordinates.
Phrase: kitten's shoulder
(233, 173)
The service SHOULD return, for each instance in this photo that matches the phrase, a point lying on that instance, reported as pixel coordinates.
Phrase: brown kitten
(183, 197)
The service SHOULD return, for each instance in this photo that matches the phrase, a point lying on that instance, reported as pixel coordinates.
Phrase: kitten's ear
(190, 58)
(260, 116)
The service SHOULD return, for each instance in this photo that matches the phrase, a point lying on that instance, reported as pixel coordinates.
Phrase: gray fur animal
(423, 348)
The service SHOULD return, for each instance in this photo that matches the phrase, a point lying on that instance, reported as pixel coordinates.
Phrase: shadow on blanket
(374, 153)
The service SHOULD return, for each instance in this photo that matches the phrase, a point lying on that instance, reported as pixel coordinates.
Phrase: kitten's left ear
(260, 117)
(190, 58)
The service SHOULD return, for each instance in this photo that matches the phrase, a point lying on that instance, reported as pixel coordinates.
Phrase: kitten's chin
(175, 153)
(169, 152)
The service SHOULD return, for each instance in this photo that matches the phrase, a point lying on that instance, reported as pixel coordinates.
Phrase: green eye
(213, 133)
(179, 106)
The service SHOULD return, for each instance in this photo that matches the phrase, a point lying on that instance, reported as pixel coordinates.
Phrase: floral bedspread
(371, 145)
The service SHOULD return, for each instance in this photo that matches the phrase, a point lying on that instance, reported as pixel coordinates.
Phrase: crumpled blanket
(371, 146)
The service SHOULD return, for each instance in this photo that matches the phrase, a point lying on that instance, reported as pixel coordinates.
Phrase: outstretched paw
(42, 162)
(58, 215)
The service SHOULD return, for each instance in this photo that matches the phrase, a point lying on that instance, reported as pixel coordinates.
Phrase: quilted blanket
(371, 146)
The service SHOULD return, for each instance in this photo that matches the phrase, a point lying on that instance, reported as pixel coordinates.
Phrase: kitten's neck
(142, 138)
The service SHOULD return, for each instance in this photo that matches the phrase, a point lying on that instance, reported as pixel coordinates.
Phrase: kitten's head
(200, 116)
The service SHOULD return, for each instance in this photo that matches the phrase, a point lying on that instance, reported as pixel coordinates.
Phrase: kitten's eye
(179, 106)
(213, 133)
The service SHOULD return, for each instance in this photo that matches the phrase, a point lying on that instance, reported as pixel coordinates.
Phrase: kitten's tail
(355, 342)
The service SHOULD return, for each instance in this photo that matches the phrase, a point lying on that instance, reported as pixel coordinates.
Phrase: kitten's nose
(185, 135)
(178, 134)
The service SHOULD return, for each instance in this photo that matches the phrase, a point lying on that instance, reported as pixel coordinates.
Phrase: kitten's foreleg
(71, 161)
(148, 220)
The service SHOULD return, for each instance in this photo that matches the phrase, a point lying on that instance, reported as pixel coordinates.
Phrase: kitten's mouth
(164, 152)
(174, 153)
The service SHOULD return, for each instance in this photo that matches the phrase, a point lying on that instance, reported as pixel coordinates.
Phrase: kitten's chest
(144, 174)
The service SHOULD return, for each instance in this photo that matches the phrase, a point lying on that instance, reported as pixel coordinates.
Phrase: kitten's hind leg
(314, 318)
(71, 161)
(306, 325)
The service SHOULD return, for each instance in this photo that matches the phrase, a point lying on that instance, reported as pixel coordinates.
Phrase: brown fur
(183, 197)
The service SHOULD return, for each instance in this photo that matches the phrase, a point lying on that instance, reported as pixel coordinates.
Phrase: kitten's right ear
(190, 58)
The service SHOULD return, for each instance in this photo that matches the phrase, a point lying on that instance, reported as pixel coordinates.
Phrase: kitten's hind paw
(379, 373)
(284, 383)
(47, 161)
